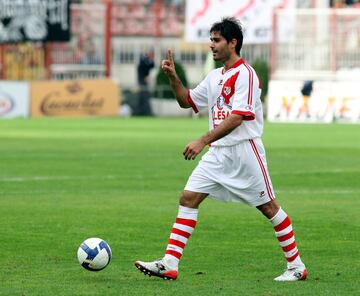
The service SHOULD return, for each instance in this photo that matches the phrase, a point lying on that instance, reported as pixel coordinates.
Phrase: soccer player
(234, 168)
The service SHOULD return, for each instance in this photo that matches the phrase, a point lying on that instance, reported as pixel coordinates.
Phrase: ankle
(171, 262)
(297, 263)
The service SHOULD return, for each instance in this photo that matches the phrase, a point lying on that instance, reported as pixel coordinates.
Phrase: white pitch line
(55, 178)
(330, 171)
(318, 191)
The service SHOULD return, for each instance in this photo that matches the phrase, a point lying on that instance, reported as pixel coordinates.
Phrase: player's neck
(230, 62)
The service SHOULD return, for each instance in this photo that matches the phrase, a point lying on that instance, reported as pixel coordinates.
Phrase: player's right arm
(180, 92)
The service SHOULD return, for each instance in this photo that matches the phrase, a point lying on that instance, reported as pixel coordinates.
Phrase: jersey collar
(236, 64)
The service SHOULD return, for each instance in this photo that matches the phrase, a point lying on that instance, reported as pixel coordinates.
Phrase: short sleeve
(198, 97)
(247, 91)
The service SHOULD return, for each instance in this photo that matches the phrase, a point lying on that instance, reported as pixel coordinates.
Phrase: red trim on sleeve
(246, 115)
(191, 102)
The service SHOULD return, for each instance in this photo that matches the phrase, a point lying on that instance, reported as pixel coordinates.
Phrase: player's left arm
(226, 127)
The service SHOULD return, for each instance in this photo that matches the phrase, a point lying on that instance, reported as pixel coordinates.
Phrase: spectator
(306, 91)
(143, 70)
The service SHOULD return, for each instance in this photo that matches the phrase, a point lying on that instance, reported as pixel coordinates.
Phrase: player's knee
(269, 209)
(186, 199)
(191, 199)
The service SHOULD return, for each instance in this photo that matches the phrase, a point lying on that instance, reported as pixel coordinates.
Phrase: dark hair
(230, 28)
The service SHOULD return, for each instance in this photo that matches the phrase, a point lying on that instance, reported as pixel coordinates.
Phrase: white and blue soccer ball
(94, 254)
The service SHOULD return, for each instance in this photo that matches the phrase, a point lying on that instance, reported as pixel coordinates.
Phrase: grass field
(64, 180)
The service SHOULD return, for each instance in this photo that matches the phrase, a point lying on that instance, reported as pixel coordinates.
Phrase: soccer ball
(94, 254)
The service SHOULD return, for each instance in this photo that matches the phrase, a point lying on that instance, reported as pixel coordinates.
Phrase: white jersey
(236, 91)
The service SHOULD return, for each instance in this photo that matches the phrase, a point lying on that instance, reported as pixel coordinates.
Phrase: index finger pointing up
(169, 56)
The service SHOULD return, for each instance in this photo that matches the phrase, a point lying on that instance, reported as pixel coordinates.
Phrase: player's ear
(233, 43)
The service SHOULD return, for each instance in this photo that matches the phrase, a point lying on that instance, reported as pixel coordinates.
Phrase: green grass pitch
(64, 180)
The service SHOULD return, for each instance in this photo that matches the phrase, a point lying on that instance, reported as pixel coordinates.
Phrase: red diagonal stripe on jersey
(173, 253)
(285, 223)
(286, 236)
(187, 222)
(180, 232)
(292, 258)
(289, 247)
(176, 243)
(229, 84)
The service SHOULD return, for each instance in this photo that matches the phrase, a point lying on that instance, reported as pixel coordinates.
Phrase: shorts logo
(249, 107)
(262, 194)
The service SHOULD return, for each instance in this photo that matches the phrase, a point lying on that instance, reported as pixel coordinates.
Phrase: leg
(184, 226)
(269, 209)
(144, 106)
(191, 199)
(142, 98)
(283, 230)
(185, 223)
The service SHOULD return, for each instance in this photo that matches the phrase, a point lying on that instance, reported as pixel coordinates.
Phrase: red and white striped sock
(285, 235)
(182, 229)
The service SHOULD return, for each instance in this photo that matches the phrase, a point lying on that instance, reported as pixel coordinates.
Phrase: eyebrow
(215, 38)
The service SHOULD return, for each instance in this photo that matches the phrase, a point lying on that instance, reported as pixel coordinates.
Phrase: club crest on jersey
(227, 90)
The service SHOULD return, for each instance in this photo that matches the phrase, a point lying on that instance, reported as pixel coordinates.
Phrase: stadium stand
(137, 25)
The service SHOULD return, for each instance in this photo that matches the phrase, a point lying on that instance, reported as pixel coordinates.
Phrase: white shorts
(234, 173)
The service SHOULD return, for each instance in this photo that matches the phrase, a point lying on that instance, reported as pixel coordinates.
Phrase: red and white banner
(255, 16)
(327, 102)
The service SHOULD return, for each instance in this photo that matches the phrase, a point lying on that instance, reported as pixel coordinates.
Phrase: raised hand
(168, 65)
